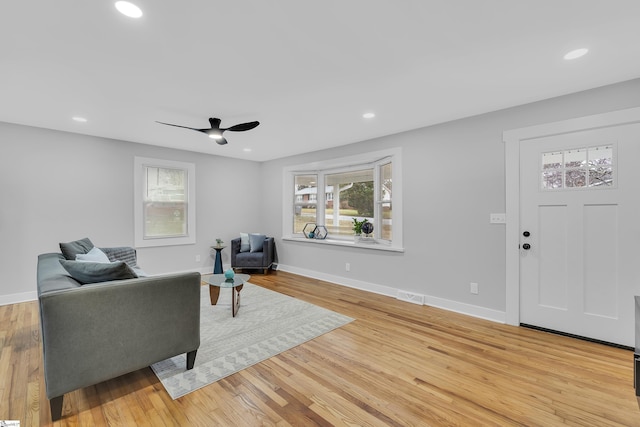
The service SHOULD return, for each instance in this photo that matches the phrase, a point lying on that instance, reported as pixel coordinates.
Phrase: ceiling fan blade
(243, 126)
(178, 126)
(221, 141)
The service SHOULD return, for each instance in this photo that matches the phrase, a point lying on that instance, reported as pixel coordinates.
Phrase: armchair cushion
(94, 272)
(245, 246)
(256, 241)
(71, 249)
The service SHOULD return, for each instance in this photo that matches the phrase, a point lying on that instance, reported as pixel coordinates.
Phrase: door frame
(512, 140)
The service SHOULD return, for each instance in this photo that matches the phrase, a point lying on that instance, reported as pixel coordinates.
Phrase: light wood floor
(397, 364)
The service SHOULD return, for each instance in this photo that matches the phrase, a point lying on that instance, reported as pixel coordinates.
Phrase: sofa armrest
(99, 331)
(267, 251)
(235, 250)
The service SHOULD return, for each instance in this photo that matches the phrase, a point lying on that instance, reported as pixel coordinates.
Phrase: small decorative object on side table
(217, 265)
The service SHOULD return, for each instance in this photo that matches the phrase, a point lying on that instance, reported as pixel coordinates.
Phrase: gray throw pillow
(71, 249)
(94, 272)
(256, 241)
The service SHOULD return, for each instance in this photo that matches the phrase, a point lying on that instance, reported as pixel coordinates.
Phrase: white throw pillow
(245, 246)
(94, 255)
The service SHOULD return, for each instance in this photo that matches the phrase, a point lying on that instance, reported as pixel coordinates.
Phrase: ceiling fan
(215, 131)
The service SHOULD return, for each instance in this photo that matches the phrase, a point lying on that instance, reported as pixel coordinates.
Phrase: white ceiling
(306, 70)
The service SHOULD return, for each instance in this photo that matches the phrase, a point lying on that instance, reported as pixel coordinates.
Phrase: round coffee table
(217, 281)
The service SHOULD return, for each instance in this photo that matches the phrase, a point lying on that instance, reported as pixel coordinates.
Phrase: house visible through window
(164, 202)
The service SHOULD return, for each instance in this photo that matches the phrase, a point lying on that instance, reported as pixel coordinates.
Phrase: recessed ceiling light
(368, 115)
(79, 119)
(128, 9)
(247, 150)
(575, 54)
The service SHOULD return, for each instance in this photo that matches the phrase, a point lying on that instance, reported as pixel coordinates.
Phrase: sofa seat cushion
(94, 272)
(250, 259)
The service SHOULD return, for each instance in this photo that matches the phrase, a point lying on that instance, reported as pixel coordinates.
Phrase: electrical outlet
(474, 288)
(347, 267)
(197, 258)
(497, 218)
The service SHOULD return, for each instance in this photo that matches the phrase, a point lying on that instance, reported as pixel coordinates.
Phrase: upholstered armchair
(259, 254)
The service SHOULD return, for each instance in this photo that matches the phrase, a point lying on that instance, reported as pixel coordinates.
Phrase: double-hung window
(164, 202)
(334, 193)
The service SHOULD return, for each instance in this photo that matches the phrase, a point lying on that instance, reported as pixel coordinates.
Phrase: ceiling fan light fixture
(576, 53)
(128, 9)
(215, 135)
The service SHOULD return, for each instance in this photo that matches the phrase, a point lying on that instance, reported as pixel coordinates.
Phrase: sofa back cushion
(71, 249)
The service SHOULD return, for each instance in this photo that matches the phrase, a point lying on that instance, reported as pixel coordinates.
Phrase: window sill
(333, 242)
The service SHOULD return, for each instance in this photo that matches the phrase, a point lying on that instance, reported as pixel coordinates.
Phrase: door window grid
(581, 168)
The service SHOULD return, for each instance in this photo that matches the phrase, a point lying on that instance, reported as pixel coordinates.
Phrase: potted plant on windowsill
(357, 227)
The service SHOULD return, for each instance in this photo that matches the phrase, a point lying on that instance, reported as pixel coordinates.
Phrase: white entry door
(580, 232)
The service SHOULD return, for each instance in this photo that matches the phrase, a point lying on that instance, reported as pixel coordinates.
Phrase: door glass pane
(551, 179)
(576, 178)
(601, 166)
(306, 193)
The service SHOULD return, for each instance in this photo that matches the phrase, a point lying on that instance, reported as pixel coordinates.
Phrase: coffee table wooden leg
(235, 299)
(214, 293)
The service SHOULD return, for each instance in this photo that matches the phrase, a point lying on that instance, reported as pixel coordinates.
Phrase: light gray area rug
(267, 324)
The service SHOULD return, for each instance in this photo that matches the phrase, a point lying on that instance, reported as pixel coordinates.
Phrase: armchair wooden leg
(191, 359)
(56, 408)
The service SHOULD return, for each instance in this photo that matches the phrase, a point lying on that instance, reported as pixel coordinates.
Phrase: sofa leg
(191, 359)
(56, 408)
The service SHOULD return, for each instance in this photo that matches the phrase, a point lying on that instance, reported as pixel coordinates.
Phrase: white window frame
(140, 163)
(368, 160)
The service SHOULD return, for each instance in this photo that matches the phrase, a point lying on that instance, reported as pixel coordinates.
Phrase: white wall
(453, 179)
(58, 187)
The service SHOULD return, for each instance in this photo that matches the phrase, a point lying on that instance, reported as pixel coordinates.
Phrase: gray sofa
(95, 332)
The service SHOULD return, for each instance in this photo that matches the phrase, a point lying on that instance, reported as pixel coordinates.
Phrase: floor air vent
(410, 297)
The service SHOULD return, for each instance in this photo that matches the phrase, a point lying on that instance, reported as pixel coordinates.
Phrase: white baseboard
(18, 298)
(445, 304)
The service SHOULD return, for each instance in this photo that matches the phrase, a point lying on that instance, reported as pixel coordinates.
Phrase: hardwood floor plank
(397, 364)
